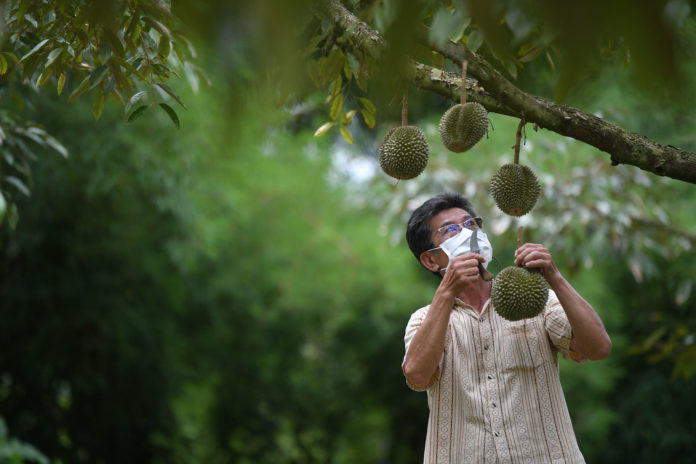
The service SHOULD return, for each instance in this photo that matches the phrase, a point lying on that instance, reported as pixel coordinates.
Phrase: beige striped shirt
(496, 396)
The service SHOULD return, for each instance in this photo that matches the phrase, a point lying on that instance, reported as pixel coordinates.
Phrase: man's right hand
(461, 273)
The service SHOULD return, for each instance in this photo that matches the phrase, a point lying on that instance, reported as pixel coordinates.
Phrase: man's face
(441, 220)
(438, 223)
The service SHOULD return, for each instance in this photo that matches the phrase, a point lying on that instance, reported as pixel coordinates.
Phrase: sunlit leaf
(61, 82)
(53, 56)
(38, 47)
(19, 184)
(135, 99)
(13, 57)
(171, 93)
(56, 145)
(324, 129)
(3, 208)
(171, 113)
(3, 65)
(347, 118)
(346, 134)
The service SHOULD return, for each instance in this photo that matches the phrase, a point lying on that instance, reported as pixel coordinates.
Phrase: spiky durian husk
(404, 152)
(463, 125)
(515, 189)
(518, 293)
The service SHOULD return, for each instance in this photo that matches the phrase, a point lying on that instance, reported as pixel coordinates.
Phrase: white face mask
(461, 243)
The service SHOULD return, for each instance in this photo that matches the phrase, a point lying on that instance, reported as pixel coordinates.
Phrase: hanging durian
(404, 152)
(514, 187)
(519, 293)
(463, 125)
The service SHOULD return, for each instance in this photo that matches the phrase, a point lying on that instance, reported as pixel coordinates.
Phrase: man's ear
(428, 260)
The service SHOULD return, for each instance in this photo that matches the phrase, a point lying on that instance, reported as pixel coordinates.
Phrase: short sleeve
(558, 328)
(412, 327)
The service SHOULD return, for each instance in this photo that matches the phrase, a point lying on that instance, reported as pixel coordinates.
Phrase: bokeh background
(236, 291)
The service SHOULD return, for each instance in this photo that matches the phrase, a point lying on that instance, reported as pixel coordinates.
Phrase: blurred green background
(236, 291)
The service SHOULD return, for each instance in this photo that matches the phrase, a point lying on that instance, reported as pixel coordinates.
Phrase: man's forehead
(448, 216)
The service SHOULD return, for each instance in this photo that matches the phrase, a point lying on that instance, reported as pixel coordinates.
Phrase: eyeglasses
(450, 230)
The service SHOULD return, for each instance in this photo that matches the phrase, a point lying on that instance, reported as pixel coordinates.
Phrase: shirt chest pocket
(522, 346)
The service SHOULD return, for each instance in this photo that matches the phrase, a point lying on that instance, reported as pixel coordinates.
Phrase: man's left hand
(534, 255)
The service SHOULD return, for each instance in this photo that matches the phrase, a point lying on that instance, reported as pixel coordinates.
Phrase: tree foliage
(122, 50)
(414, 34)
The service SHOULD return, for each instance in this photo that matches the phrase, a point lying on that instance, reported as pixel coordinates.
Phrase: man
(493, 386)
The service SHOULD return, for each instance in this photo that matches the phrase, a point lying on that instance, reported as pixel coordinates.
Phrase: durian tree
(121, 50)
(617, 195)
(423, 41)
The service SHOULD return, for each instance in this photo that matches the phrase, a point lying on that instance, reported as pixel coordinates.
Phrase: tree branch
(503, 97)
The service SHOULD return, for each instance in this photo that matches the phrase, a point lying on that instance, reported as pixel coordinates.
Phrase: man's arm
(428, 344)
(590, 339)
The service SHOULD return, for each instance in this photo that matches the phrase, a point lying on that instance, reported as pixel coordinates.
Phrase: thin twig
(462, 89)
(404, 108)
(518, 139)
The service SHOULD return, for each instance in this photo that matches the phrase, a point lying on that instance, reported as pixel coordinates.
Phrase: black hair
(418, 233)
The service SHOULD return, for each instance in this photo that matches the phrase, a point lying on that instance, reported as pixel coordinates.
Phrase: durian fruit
(404, 152)
(463, 125)
(519, 293)
(515, 189)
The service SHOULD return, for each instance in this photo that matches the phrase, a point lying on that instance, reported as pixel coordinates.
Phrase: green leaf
(43, 78)
(346, 134)
(475, 40)
(171, 93)
(369, 118)
(368, 105)
(137, 113)
(53, 56)
(3, 65)
(324, 129)
(98, 75)
(115, 42)
(82, 88)
(347, 118)
(14, 58)
(336, 107)
(3, 207)
(98, 104)
(332, 65)
(164, 47)
(38, 47)
(171, 113)
(61, 82)
(19, 184)
(56, 145)
(135, 99)
(336, 86)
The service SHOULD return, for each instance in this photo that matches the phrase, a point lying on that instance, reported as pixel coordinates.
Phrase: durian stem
(404, 108)
(462, 89)
(518, 139)
(519, 236)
